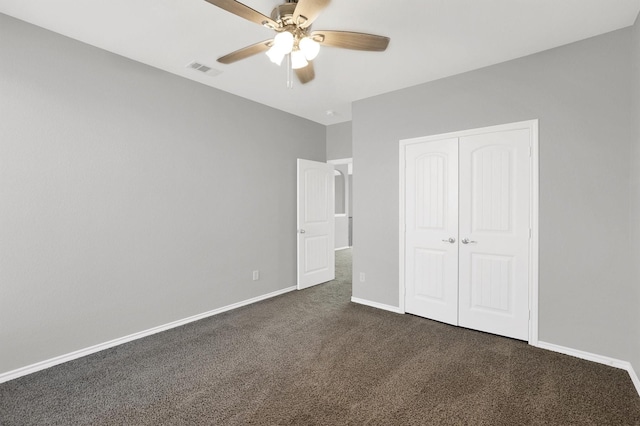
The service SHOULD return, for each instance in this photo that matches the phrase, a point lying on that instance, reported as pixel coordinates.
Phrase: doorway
(468, 235)
(343, 202)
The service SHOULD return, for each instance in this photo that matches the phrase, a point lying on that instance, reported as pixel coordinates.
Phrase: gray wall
(131, 197)
(580, 93)
(339, 141)
(635, 191)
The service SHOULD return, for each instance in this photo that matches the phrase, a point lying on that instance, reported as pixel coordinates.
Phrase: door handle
(450, 240)
(467, 241)
(302, 231)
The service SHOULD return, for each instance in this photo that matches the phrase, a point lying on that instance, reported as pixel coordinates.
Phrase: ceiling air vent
(204, 68)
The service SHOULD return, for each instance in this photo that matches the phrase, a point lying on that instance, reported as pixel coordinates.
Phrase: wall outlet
(361, 277)
(256, 275)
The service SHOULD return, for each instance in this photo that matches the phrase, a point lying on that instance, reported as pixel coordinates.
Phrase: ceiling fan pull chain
(289, 72)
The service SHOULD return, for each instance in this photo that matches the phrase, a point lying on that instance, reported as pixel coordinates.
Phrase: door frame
(532, 126)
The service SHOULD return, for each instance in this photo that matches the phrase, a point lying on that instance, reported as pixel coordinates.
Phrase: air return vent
(203, 68)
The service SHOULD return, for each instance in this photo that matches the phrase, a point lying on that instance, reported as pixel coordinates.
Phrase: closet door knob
(450, 240)
(467, 241)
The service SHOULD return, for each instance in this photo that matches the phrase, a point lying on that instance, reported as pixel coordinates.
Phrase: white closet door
(431, 246)
(494, 232)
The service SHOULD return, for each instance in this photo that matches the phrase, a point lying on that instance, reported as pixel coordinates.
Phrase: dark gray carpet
(312, 357)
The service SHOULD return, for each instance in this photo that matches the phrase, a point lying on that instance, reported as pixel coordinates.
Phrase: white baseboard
(634, 378)
(377, 305)
(624, 365)
(342, 248)
(23, 371)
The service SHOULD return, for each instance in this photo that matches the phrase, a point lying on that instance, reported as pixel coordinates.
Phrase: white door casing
(497, 287)
(315, 223)
(432, 230)
(494, 218)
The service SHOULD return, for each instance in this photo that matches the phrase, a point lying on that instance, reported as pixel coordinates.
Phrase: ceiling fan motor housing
(284, 13)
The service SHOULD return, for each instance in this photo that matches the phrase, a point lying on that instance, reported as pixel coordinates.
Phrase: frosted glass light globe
(275, 56)
(310, 48)
(298, 60)
(283, 42)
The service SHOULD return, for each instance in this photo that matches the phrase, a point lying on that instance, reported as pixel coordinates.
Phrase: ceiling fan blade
(306, 74)
(307, 11)
(244, 11)
(351, 40)
(245, 52)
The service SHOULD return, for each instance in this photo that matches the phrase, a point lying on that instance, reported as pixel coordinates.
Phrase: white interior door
(432, 230)
(494, 233)
(316, 224)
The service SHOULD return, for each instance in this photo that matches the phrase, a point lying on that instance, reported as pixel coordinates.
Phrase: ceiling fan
(294, 39)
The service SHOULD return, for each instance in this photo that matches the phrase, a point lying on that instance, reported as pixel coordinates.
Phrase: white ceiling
(430, 39)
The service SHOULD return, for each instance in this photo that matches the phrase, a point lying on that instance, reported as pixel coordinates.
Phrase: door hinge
(530, 151)
(530, 232)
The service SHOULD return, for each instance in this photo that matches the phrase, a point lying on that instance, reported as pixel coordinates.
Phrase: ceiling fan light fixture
(309, 47)
(282, 45)
(298, 60)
